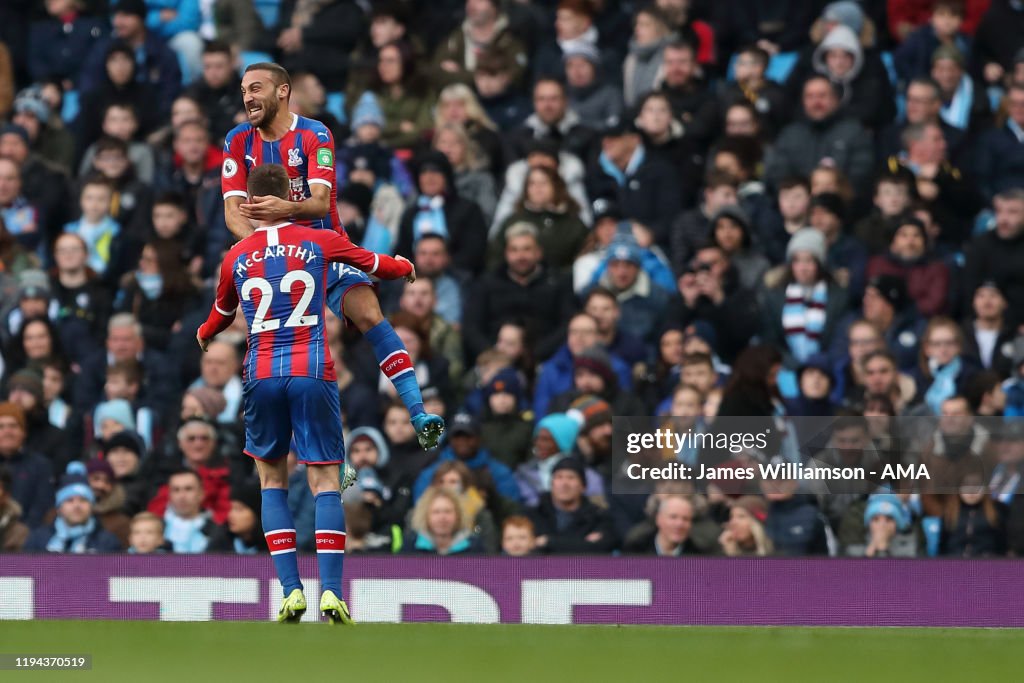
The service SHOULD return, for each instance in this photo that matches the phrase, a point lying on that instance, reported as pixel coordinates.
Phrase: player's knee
(363, 309)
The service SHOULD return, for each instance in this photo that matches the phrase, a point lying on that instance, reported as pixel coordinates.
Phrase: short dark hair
(955, 7)
(96, 179)
(794, 181)
(111, 144)
(268, 180)
(698, 358)
(277, 72)
(216, 47)
(171, 198)
(184, 470)
(717, 178)
(979, 385)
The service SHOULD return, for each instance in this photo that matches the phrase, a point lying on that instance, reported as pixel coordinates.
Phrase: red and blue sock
(396, 364)
(330, 540)
(279, 530)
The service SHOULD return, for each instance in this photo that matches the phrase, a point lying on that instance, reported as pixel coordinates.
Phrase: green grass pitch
(236, 652)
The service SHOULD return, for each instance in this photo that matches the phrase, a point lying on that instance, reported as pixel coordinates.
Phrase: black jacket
(645, 545)
(31, 485)
(545, 302)
(650, 195)
(587, 519)
(992, 257)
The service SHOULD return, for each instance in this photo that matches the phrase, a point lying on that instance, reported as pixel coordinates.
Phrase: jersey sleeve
(225, 305)
(233, 172)
(338, 248)
(319, 147)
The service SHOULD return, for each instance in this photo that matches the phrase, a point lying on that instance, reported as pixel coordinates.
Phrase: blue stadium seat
(890, 68)
(336, 105)
(269, 11)
(252, 57)
(69, 109)
(780, 65)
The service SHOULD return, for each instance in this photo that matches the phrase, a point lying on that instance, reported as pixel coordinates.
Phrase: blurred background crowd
(754, 208)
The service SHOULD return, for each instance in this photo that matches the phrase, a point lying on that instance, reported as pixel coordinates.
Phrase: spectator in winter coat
(973, 524)
(927, 277)
(197, 442)
(770, 99)
(595, 101)
(506, 430)
(1000, 164)
(124, 453)
(964, 101)
(893, 194)
(643, 68)
(913, 57)
(888, 529)
(547, 205)
(13, 532)
(645, 188)
(670, 537)
(31, 474)
(440, 210)
(803, 312)
(731, 232)
(242, 533)
(473, 179)
(464, 437)
(110, 499)
(866, 93)
(618, 337)
(523, 289)
(888, 307)
(593, 374)
(485, 30)
(25, 388)
(60, 43)
(76, 529)
(988, 337)
(554, 438)
(693, 227)
(794, 525)
(565, 521)
(552, 120)
(641, 298)
(556, 375)
(997, 254)
(824, 132)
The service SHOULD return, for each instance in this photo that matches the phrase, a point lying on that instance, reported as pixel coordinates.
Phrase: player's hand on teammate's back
(266, 208)
(203, 343)
(411, 277)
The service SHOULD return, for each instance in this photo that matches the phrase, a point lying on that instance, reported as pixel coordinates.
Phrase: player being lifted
(280, 275)
(305, 147)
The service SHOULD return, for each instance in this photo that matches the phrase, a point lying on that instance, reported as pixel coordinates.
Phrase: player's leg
(268, 429)
(316, 423)
(350, 295)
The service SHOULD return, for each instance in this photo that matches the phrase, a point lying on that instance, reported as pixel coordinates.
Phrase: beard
(267, 114)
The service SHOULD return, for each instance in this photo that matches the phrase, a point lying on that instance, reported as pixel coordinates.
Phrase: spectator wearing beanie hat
(886, 529)
(846, 257)
(888, 307)
(641, 283)
(50, 139)
(802, 313)
(31, 473)
(110, 505)
(594, 442)
(593, 99)
(25, 388)
(75, 530)
(464, 446)
(554, 437)
(506, 429)
(593, 374)
(111, 417)
(125, 452)
(565, 520)
(243, 532)
(910, 258)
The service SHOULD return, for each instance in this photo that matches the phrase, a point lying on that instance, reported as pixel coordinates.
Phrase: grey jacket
(802, 145)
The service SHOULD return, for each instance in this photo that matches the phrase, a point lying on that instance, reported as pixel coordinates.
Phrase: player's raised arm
(233, 177)
(340, 249)
(222, 313)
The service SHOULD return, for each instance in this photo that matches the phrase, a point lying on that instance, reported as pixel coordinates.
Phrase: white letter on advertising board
(382, 600)
(184, 599)
(551, 601)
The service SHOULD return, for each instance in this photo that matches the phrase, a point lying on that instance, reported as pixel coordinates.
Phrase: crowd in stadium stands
(685, 208)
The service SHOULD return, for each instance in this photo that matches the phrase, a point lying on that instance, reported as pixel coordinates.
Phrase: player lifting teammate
(305, 148)
(280, 274)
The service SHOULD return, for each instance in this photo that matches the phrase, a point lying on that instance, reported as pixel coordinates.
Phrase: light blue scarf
(619, 176)
(429, 218)
(958, 112)
(185, 535)
(70, 539)
(943, 385)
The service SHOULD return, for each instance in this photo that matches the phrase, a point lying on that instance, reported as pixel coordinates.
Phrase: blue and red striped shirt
(279, 275)
(306, 151)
